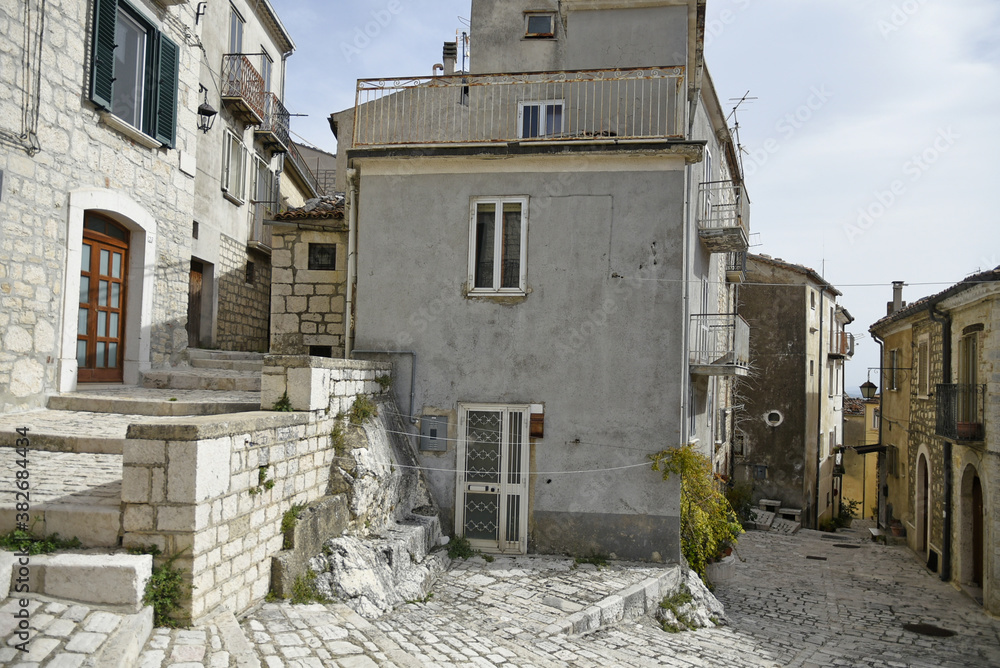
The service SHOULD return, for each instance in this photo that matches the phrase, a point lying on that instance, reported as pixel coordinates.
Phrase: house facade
(541, 246)
(860, 455)
(794, 398)
(938, 362)
(120, 243)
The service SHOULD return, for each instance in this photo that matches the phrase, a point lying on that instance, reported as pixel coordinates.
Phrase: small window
(323, 257)
(194, 230)
(812, 299)
(923, 369)
(321, 351)
(875, 419)
(251, 273)
(234, 172)
(498, 245)
(540, 25)
(760, 472)
(774, 418)
(540, 119)
(812, 367)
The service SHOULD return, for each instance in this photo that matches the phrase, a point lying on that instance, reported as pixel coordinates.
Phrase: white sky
(877, 106)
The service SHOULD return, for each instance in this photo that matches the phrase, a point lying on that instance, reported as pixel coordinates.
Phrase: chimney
(897, 297)
(450, 56)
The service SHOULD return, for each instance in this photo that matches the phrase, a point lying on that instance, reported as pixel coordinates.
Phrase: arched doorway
(100, 348)
(971, 528)
(923, 504)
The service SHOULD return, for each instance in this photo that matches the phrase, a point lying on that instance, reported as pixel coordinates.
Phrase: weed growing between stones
(304, 590)
(338, 439)
(677, 620)
(599, 560)
(263, 483)
(21, 540)
(363, 409)
(708, 523)
(460, 548)
(163, 591)
(288, 524)
(423, 599)
(283, 404)
(384, 381)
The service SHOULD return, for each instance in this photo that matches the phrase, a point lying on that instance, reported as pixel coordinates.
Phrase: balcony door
(100, 337)
(968, 367)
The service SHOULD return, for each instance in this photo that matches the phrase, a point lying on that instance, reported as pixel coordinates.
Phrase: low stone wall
(212, 490)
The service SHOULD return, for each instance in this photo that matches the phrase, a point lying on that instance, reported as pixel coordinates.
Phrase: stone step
(95, 525)
(150, 401)
(116, 581)
(202, 379)
(205, 354)
(233, 365)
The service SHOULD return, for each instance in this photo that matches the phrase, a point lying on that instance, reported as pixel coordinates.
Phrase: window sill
(499, 297)
(235, 200)
(132, 133)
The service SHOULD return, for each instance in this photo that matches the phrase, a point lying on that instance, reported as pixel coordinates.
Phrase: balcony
(960, 412)
(260, 237)
(723, 217)
(273, 131)
(720, 345)
(606, 106)
(842, 346)
(736, 267)
(243, 89)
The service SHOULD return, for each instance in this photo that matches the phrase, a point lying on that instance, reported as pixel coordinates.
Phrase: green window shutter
(165, 115)
(102, 71)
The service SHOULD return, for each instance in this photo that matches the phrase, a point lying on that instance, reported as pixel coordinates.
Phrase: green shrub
(708, 523)
(163, 591)
(20, 539)
(338, 439)
(460, 548)
(283, 405)
(848, 511)
(363, 409)
(288, 524)
(304, 590)
(599, 560)
(385, 382)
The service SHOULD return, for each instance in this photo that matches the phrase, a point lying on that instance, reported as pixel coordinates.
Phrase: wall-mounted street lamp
(206, 113)
(869, 389)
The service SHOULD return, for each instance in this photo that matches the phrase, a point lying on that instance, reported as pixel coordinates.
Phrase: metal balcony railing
(302, 167)
(243, 88)
(736, 266)
(960, 412)
(719, 344)
(273, 129)
(724, 216)
(586, 105)
(842, 345)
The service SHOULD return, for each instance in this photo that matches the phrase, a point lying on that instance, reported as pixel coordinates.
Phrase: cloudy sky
(870, 153)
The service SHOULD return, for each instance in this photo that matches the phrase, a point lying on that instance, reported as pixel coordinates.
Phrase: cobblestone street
(801, 600)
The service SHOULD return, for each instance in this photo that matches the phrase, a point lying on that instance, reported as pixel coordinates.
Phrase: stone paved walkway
(69, 478)
(844, 606)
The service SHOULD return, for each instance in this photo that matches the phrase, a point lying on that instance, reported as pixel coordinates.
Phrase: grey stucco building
(542, 246)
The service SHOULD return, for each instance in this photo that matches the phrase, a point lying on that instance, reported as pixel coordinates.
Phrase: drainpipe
(413, 371)
(819, 408)
(945, 320)
(686, 310)
(883, 521)
(352, 227)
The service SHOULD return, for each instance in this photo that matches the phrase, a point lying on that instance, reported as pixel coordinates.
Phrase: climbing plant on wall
(708, 523)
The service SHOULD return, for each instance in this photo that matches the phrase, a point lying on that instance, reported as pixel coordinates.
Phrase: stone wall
(243, 306)
(213, 490)
(66, 148)
(307, 306)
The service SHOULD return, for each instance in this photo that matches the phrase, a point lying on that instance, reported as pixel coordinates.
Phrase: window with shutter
(134, 71)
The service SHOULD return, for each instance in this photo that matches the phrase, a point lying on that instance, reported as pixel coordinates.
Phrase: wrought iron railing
(302, 167)
(275, 120)
(242, 82)
(736, 262)
(960, 411)
(723, 204)
(842, 344)
(587, 105)
(720, 339)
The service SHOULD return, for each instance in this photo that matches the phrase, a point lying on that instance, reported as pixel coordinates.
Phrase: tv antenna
(736, 124)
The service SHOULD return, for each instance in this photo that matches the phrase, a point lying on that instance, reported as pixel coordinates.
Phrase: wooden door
(100, 346)
(977, 532)
(194, 305)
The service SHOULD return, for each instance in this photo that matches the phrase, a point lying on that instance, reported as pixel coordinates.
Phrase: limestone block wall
(307, 306)
(243, 305)
(213, 490)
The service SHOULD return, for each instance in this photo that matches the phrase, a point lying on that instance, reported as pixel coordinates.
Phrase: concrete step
(150, 401)
(204, 354)
(233, 365)
(202, 379)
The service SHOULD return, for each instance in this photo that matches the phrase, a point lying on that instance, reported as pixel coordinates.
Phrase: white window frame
(539, 35)
(543, 130)
(498, 202)
(237, 191)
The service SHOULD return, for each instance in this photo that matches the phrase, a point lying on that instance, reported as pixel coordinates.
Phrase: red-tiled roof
(323, 208)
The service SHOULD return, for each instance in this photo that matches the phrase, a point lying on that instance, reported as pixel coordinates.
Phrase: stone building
(128, 233)
(940, 408)
(860, 456)
(544, 256)
(793, 399)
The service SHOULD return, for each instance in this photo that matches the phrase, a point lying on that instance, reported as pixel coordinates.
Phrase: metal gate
(491, 505)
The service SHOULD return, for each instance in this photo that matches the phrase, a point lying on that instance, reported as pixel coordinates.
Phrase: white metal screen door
(491, 508)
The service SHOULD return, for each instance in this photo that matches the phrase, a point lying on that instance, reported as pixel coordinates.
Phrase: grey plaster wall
(580, 341)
